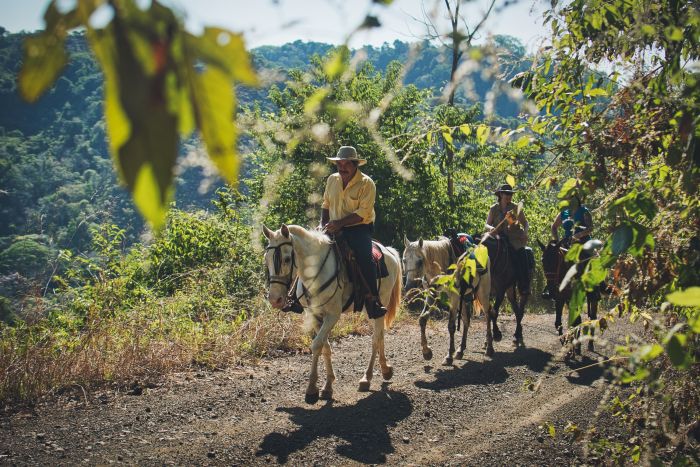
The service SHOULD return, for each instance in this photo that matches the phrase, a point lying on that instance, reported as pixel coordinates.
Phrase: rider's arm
(555, 227)
(588, 222)
(490, 220)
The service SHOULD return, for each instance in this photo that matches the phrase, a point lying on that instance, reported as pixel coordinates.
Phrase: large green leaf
(215, 105)
(688, 297)
(622, 239)
(44, 58)
(578, 295)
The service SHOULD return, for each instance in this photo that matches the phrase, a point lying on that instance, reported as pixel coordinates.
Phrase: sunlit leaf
(649, 352)
(44, 58)
(481, 253)
(687, 297)
(482, 134)
(313, 103)
(466, 129)
(215, 108)
(336, 65)
(568, 188)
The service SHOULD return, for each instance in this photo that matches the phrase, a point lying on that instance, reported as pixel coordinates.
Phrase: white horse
(325, 289)
(426, 263)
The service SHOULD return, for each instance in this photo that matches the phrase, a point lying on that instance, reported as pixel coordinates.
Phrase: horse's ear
(420, 242)
(406, 243)
(540, 244)
(267, 232)
(285, 231)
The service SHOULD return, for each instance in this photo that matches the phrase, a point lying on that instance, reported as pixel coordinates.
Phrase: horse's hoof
(577, 349)
(311, 398)
(489, 351)
(518, 341)
(364, 386)
(590, 346)
(497, 335)
(447, 361)
(428, 355)
(326, 395)
(389, 373)
(459, 355)
(560, 330)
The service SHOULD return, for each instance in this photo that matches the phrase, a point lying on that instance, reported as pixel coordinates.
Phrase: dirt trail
(476, 412)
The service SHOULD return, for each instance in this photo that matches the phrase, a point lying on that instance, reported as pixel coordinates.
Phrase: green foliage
(27, 255)
(153, 92)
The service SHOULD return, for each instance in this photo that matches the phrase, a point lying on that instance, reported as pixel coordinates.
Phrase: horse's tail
(483, 292)
(395, 299)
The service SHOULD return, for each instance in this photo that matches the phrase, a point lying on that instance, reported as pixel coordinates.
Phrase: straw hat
(347, 153)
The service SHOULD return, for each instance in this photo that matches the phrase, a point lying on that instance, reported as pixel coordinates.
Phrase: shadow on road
(491, 371)
(587, 371)
(362, 426)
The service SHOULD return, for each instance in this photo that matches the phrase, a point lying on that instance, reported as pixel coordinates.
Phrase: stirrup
(375, 309)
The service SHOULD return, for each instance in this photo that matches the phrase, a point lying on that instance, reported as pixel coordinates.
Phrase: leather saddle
(361, 290)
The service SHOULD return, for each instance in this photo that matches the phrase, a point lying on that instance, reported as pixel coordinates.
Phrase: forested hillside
(58, 180)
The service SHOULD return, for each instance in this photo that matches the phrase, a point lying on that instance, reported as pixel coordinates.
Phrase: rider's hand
(333, 227)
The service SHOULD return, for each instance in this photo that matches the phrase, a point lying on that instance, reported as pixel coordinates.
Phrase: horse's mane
(310, 235)
(436, 251)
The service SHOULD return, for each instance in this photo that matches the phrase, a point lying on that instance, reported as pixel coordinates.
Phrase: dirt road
(477, 412)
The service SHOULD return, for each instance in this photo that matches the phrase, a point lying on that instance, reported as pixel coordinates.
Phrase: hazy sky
(269, 22)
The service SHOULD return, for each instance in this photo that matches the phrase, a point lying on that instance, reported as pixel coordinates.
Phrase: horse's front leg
(451, 327)
(558, 307)
(592, 302)
(466, 320)
(327, 389)
(377, 335)
(518, 334)
(497, 335)
(423, 321)
(387, 369)
(317, 345)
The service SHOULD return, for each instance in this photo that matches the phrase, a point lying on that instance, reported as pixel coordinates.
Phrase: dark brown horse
(555, 268)
(503, 280)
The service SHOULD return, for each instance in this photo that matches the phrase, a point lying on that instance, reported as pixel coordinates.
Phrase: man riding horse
(348, 210)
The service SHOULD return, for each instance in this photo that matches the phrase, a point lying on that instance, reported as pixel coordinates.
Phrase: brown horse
(555, 268)
(503, 279)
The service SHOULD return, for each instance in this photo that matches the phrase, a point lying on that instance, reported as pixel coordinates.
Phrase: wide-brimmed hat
(505, 188)
(347, 153)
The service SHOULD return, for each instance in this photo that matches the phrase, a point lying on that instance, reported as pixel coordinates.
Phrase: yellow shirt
(358, 197)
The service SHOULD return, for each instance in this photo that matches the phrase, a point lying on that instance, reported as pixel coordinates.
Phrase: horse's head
(414, 263)
(552, 261)
(279, 265)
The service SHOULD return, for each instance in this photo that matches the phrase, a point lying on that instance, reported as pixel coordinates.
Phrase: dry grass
(145, 344)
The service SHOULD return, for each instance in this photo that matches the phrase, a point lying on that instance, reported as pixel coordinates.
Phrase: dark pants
(359, 237)
(522, 270)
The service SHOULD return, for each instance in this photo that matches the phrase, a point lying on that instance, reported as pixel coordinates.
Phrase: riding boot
(374, 306)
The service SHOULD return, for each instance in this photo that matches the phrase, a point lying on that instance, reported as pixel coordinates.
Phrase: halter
(277, 278)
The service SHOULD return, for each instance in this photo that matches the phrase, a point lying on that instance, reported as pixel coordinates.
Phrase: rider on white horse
(348, 207)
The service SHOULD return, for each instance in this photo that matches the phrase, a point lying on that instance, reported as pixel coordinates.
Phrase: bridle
(288, 279)
(277, 278)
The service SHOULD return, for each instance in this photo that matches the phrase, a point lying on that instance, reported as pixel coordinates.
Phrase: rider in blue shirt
(577, 222)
